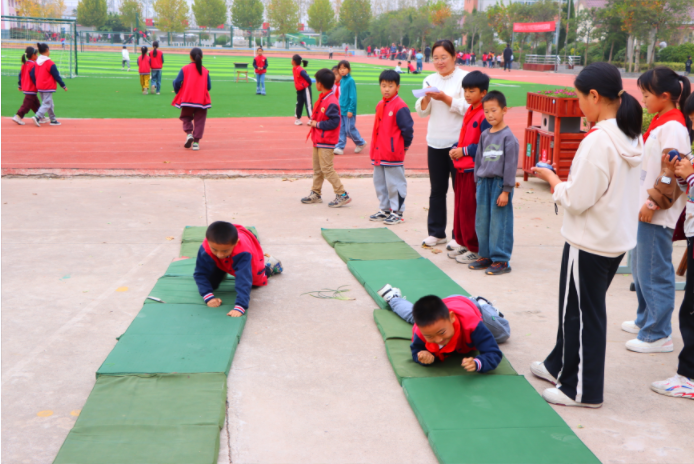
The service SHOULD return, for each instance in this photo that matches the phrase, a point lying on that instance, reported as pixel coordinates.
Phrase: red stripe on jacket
(193, 91)
(388, 144)
(325, 138)
(44, 79)
(299, 82)
(469, 134)
(247, 243)
(28, 86)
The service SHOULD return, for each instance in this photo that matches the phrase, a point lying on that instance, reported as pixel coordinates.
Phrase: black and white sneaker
(55, 122)
(37, 121)
(461, 250)
(189, 141)
(388, 293)
(380, 216)
(393, 219)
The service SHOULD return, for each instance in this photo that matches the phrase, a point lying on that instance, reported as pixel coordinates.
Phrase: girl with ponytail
(302, 84)
(600, 226)
(192, 87)
(27, 85)
(144, 66)
(661, 203)
(156, 59)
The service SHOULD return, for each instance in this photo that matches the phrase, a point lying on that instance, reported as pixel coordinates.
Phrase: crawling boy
(444, 327)
(232, 249)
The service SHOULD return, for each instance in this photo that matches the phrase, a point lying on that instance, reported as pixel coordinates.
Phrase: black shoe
(393, 219)
(499, 268)
(55, 122)
(380, 216)
(480, 264)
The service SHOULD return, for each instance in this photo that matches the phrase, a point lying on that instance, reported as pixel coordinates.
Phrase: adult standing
(393, 51)
(330, 52)
(156, 62)
(688, 66)
(427, 54)
(445, 109)
(508, 54)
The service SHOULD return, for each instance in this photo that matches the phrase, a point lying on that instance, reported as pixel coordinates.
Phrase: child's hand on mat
(469, 364)
(646, 214)
(215, 303)
(456, 153)
(684, 169)
(425, 357)
(502, 200)
(234, 313)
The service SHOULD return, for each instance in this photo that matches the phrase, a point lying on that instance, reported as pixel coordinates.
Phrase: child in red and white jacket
(325, 132)
(47, 78)
(260, 66)
(192, 87)
(27, 86)
(392, 136)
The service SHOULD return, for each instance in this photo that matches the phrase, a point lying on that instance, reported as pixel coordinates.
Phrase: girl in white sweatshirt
(654, 275)
(600, 201)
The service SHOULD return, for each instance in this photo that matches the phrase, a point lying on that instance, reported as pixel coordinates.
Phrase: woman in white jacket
(600, 201)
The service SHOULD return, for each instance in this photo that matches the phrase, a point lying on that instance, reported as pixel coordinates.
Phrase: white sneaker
(388, 293)
(461, 250)
(678, 386)
(664, 345)
(555, 396)
(18, 120)
(467, 258)
(45, 120)
(452, 245)
(631, 327)
(433, 241)
(189, 141)
(297, 122)
(359, 148)
(339, 151)
(539, 369)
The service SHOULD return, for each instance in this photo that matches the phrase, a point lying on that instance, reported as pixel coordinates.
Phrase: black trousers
(686, 365)
(303, 98)
(440, 170)
(578, 358)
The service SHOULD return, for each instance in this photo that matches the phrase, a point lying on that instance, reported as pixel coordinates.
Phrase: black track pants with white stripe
(578, 358)
(303, 98)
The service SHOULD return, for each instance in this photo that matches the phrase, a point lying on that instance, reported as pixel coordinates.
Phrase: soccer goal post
(19, 32)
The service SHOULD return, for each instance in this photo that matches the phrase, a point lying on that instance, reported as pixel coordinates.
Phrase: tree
(586, 27)
(473, 25)
(91, 12)
(283, 16)
(663, 15)
(610, 25)
(634, 23)
(321, 17)
(355, 15)
(247, 14)
(172, 15)
(129, 11)
(113, 23)
(209, 13)
(40, 8)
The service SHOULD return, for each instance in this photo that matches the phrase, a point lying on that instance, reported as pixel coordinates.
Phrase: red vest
(247, 243)
(469, 134)
(44, 78)
(260, 63)
(193, 91)
(143, 64)
(28, 86)
(320, 136)
(156, 62)
(299, 82)
(467, 319)
(387, 144)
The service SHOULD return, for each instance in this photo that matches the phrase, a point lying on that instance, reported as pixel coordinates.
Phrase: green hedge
(644, 67)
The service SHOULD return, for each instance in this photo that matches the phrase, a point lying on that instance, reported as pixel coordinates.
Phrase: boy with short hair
(448, 326)
(495, 175)
(325, 129)
(232, 249)
(348, 108)
(391, 138)
(475, 85)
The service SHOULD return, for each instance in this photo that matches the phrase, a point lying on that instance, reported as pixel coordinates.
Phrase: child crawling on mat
(456, 324)
(232, 249)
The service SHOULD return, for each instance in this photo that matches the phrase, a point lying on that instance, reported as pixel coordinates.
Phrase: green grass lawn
(102, 90)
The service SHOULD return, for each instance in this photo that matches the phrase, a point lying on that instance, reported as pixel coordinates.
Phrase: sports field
(103, 90)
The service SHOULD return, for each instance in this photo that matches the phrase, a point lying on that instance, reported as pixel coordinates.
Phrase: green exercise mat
(190, 249)
(392, 326)
(374, 235)
(181, 268)
(415, 277)
(158, 419)
(400, 357)
(176, 338)
(375, 251)
(478, 402)
(536, 445)
(184, 290)
(197, 233)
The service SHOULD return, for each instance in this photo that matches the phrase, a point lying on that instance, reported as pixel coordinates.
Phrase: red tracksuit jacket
(326, 113)
(392, 134)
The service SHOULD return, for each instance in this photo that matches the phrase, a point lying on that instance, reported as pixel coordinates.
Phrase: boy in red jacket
(392, 136)
(260, 65)
(325, 132)
(476, 85)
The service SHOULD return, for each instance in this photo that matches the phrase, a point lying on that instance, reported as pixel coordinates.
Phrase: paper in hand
(419, 93)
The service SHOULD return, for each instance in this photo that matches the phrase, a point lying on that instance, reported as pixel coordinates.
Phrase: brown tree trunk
(611, 50)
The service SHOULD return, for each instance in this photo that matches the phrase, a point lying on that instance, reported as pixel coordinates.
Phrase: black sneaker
(55, 122)
(312, 197)
(393, 219)
(380, 216)
(480, 264)
(499, 268)
(340, 200)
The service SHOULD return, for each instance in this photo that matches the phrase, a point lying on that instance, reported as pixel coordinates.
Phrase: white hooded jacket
(601, 196)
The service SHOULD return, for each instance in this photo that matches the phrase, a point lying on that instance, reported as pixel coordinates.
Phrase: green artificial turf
(102, 90)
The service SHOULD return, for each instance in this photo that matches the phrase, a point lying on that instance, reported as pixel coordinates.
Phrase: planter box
(538, 67)
(554, 106)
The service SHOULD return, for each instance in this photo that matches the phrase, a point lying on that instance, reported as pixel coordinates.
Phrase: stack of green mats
(160, 395)
(496, 417)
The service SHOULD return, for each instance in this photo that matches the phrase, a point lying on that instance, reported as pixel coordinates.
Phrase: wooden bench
(241, 69)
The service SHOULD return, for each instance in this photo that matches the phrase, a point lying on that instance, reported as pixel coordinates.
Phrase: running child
(302, 83)
(28, 86)
(348, 108)
(156, 61)
(144, 67)
(126, 58)
(232, 249)
(192, 87)
(46, 77)
(325, 130)
(260, 66)
(495, 175)
(391, 138)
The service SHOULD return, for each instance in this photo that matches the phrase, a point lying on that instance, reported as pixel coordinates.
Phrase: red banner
(149, 22)
(549, 26)
(266, 25)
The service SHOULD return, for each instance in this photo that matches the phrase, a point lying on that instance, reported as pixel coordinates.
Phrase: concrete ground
(310, 381)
